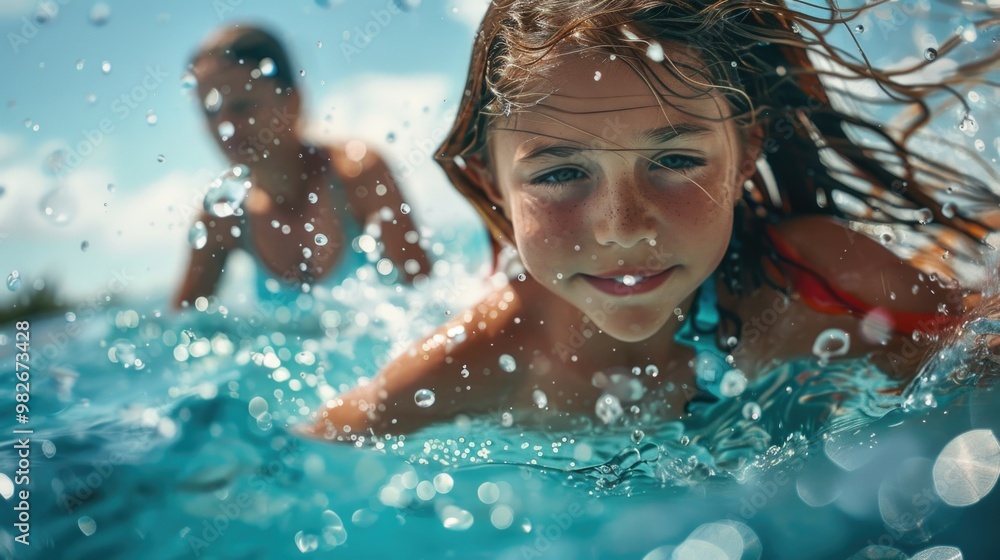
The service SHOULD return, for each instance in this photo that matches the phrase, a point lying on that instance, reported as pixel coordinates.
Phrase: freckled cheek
(544, 232)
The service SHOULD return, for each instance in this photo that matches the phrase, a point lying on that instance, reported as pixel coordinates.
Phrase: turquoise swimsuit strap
(705, 321)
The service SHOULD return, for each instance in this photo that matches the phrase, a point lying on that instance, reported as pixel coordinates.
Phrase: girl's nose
(623, 215)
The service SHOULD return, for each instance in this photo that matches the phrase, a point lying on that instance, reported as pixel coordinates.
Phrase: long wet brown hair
(769, 62)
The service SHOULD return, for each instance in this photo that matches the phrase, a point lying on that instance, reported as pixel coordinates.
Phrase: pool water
(161, 436)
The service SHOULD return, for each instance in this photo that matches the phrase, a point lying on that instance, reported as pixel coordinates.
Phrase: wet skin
(653, 200)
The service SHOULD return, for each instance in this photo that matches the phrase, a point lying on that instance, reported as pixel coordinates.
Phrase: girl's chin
(628, 331)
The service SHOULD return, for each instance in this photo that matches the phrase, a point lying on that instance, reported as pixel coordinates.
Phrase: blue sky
(403, 81)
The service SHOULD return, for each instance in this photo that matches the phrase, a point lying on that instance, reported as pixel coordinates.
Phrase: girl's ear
(481, 175)
(752, 144)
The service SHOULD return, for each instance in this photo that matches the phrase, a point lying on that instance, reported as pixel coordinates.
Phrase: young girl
(306, 204)
(689, 206)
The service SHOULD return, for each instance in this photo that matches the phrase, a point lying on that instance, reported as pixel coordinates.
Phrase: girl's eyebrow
(660, 135)
(667, 133)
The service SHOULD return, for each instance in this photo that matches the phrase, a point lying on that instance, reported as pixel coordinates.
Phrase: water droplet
(597, 76)
(655, 52)
(652, 370)
(628, 280)
(465, 372)
(608, 408)
(507, 363)
(859, 29)
(267, 67)
(734, 382)
(424, 398)
(302, 73)
(930, 54)
(925, 216)
(521, 277)
(980, 145)
(47, 11)
(226, 194)
(404, 208)
(84, 246)
(313, 198)
(100, 14)
(320, 239)
(257, 407)
(151, 118)
(213, 101)
(198, 235)
(456, 518)
(226, 130)
(751, 411)
(306, 542)
(540, 398)
(967, 468)
(334, 533)
(188, 81)
(87, 525)
(886, 238)
(506, 419)
(79, 64)
(969, 125)
(59, 206)
(733, 64)
(106, 67)
(831, 343)
(161, 158)
(637, 436)
(685, 440)
(14, 281)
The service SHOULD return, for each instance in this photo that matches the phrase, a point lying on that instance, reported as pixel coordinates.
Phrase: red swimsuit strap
(820, 294)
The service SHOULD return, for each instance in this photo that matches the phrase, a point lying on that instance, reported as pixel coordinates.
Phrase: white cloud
(469, 12)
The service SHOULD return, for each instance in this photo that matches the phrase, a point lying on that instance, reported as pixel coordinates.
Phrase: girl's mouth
(627, 283)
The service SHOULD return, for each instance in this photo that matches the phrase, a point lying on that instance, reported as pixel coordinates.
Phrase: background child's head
(247, 87)
(764, 60)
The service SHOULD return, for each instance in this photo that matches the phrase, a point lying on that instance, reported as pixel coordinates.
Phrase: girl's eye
(560, 176)
(677, 162)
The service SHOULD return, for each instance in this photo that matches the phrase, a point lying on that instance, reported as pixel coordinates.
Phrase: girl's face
(246, 123)
(621, 202)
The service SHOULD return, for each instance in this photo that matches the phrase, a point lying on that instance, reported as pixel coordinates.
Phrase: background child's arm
(396, 247)
(206, 264)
